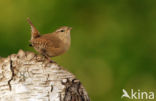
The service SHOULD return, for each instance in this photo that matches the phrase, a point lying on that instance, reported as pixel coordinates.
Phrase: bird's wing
(46, 42)
(54, 41)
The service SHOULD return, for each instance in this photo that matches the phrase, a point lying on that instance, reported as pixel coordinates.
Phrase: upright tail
(34, 32)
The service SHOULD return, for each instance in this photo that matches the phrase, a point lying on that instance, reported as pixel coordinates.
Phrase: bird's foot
(51, 61)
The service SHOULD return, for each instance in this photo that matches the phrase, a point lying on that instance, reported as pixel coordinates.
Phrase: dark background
(113, 41)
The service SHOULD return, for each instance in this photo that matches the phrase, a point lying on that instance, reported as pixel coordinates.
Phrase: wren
(51, 44)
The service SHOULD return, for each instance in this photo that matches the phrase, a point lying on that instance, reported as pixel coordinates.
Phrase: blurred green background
(113, 41)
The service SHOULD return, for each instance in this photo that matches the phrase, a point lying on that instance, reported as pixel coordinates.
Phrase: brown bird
(51, 44)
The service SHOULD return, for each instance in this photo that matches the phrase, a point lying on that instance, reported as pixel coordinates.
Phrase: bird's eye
(62, 30)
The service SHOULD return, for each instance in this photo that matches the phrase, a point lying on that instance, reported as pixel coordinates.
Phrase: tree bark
(29, 77)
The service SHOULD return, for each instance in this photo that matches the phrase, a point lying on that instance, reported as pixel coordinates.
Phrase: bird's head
(63, 33)
(63, 30)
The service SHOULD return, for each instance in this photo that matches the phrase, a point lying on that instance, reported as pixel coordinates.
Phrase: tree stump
(29, 77)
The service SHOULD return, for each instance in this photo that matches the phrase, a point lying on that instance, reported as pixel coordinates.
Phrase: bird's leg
(51, 61)
(46, 56)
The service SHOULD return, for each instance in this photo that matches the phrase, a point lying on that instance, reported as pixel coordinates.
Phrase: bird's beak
(69, 28)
